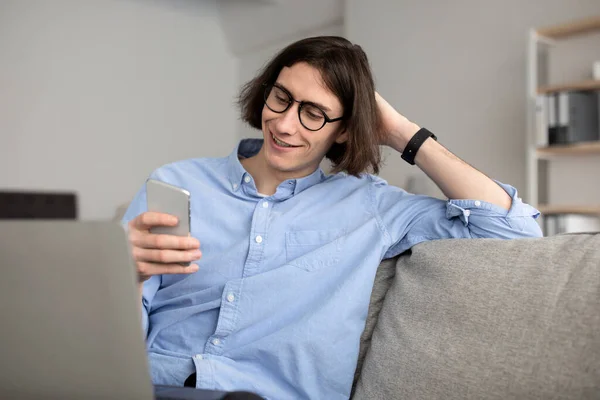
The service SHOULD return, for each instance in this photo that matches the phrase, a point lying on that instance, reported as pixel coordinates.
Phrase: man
(278, 301)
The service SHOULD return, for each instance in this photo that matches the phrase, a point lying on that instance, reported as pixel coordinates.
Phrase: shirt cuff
(463, 209)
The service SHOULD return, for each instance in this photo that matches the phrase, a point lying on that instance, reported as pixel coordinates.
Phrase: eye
(281, 99)
(280, 96)
(313, 113)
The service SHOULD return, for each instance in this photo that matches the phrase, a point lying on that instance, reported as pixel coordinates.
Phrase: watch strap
(413, 145)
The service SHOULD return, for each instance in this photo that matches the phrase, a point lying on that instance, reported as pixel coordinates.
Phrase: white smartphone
(165, 198)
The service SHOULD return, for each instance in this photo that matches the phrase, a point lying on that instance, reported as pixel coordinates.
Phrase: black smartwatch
(413, 145)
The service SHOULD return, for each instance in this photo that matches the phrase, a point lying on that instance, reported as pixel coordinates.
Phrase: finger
(165, 256)
(158, 241)
(150, 219)
(146, 270)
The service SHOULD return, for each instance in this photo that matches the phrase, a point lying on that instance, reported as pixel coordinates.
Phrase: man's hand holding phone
(157, 254)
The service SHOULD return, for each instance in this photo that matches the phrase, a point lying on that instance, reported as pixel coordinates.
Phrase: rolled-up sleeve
(487, 220)
(408, 219)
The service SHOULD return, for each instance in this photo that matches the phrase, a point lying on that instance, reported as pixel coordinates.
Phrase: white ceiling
(250, 25)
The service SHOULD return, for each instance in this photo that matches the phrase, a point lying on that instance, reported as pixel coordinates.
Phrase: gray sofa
(485, 319)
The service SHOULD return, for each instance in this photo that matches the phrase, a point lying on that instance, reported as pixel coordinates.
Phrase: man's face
(302, 150)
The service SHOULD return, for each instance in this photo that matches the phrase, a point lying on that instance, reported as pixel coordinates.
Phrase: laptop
(71, 322)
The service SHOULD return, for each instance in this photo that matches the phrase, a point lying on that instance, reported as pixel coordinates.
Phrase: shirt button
(216, 342)
(258, 239)
(265, 204)
(235, 185)
(467, 213)
(477, 203)
(198, 357)
(230, 297)
(247, 179)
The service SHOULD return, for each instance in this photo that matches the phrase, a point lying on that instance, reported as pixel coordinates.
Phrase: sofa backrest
(487, 318)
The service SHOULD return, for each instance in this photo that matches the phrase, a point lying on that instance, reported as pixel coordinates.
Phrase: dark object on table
(37, 205)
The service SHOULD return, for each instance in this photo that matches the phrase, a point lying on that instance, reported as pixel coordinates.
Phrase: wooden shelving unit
(540, 42)
(583, 85)
(579, 149)
(569, 209)
(569, 29)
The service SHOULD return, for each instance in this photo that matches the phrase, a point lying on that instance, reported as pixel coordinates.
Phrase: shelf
(549, 209)
(541, 41)
(572, 28)
(578, 149)
(582, 85)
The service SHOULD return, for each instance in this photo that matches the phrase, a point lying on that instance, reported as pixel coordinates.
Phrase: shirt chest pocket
(313, 250)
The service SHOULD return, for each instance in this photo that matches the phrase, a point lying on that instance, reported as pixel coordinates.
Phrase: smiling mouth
(281, 143)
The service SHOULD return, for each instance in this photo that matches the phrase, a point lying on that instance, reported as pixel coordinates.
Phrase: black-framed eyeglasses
(279, 100)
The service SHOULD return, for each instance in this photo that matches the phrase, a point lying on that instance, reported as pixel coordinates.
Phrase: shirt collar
(250, 147)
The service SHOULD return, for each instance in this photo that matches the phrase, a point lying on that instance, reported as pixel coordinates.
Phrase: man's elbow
(532, 228)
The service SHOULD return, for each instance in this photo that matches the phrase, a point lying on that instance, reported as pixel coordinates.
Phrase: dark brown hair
(345, 71)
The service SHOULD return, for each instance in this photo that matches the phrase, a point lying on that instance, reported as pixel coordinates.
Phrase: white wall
(95, 95)
(458, 68)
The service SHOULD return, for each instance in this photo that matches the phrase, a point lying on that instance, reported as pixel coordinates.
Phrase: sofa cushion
(487, 318)
(383, 281)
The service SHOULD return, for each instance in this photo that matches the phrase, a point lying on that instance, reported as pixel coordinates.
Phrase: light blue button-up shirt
(280, 301)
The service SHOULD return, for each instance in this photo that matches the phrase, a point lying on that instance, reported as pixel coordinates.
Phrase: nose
(288, 122)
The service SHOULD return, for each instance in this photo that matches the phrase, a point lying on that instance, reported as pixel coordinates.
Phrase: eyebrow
(321, 106)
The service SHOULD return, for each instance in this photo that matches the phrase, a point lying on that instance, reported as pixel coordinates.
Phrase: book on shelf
(542, 119)
(598, 109)
(567, 117)
(577, 118)
(555, 224)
